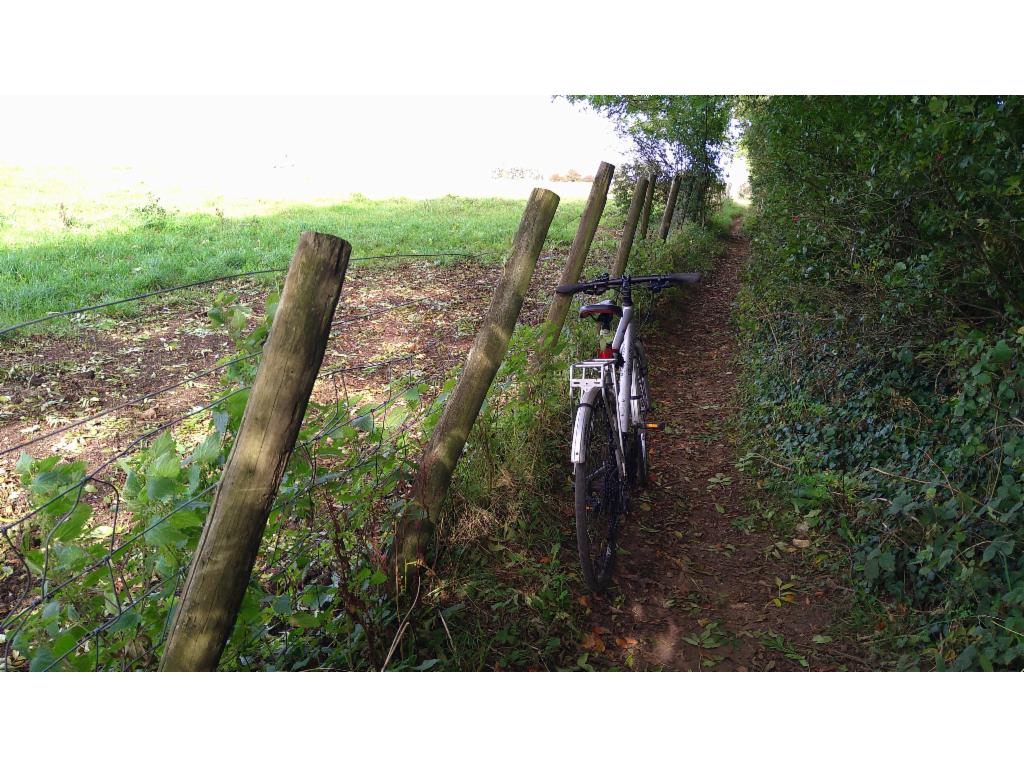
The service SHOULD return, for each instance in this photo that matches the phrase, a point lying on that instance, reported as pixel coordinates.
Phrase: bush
(884, 352)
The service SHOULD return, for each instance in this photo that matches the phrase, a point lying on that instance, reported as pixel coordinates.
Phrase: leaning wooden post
(629, 231)
(685, 206)
(224, 558)
(442, 453)
(578, 251)
(670, 207)
(702, 202)
(645, 215)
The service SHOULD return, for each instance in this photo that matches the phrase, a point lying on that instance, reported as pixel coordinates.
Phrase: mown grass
(57, 255)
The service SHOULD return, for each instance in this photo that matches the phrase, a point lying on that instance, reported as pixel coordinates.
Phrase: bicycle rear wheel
(599, 498)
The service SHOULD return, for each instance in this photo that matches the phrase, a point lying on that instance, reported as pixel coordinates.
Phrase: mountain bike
(609, 439)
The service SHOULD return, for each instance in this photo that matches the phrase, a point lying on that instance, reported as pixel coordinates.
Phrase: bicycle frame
(618, 385)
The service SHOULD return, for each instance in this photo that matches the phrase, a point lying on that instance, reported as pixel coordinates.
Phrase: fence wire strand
(362, 443)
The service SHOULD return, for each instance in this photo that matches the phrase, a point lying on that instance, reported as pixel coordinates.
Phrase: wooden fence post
(629, 231)
(645, 215)
(685, 207)
(460, 412)
(559, 307)
(702, 207)
(670, 207)
(224, 558)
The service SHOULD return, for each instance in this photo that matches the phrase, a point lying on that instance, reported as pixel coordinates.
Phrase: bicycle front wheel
(639, 465)
(599, 497)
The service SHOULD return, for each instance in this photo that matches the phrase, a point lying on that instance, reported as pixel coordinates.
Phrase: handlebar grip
(570, 288)
(684, 278)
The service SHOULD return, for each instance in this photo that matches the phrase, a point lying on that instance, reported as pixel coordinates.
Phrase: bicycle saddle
(605, 307)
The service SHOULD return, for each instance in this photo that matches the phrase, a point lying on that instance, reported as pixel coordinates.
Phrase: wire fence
(96, 543)
(93, 556)
(227, 278)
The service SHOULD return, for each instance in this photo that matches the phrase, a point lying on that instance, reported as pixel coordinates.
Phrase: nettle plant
(106, 558)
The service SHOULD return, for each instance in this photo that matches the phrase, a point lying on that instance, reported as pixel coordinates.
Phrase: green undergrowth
(508, 576)
(501, 594)
(883, 361)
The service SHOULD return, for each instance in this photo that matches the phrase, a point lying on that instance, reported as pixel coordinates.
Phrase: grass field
(62, 246)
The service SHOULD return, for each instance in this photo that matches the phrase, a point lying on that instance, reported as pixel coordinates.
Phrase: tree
(689, 135)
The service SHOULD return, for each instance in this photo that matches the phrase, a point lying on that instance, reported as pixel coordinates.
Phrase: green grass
(126, 241)
(721, 220)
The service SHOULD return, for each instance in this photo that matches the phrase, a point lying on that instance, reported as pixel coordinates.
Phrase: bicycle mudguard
(579, 442)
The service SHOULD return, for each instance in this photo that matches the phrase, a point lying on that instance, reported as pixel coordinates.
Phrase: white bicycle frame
(595, 377)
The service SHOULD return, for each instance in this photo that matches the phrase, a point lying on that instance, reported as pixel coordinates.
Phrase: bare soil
(422, 317)
(50, 380)
(699, 584)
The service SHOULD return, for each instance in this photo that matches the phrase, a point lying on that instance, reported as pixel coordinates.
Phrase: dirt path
(701, 582)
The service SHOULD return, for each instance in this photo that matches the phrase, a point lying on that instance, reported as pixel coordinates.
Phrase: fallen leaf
(801, 543)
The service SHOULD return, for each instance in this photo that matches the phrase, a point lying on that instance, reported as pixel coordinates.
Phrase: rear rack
(588, 374)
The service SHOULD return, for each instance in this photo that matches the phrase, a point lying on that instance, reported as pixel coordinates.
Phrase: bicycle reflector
(607, 353)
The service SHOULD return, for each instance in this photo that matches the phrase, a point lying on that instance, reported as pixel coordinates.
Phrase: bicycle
(609, 440)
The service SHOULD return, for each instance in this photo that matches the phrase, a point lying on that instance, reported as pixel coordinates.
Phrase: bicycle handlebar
(604, 283)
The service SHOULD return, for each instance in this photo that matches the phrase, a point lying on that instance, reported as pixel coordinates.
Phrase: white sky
(410, 145)
(288, 147)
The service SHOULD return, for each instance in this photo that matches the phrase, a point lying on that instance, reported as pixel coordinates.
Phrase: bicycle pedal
(652, 426)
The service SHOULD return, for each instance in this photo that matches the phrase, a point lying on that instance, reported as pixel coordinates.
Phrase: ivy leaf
(303, 620)
(281, 605)
(42, 659)
(220, 421)
(887, 562)
(235, 406)
(24, 465)
(998, 547)
(186, 518)
(871, 566)
(161, 488)
(72, 527)
(53, 481)
(127, 620)
(1001, 353)
(51, 610)
(364, 423)
(165, 535)
(71, 555)
(273, 299)
(207, 451)
(132, 485)
(164, 443)
(166, 465)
